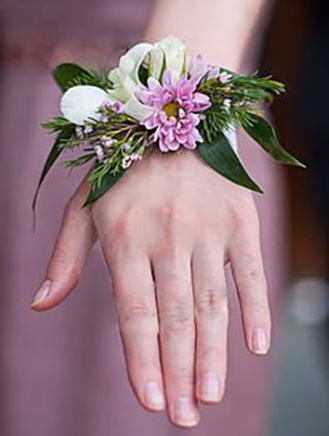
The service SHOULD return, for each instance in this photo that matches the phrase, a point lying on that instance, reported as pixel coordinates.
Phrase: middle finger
(177, 334)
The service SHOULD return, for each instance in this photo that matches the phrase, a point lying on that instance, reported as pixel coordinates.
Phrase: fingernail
(153, 396)
(209, 388)
(42, 293)
(259, 342)
(185, 413)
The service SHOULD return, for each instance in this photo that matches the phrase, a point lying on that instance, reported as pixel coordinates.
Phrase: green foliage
(216, 119)
(65, 73)
(93, 78)
(221, 157)
(264, 134)
(57, 124)
(55, 152)
(235, 100)
(79, 161)
(68, 75)
(107, 181)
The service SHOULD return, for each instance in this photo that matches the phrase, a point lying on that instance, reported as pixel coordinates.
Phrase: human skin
(167, 229)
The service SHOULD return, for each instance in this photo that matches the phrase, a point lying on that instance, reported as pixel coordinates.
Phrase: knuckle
(168, 214)
(121, 229)
(136, 308)
(136, 315)
(177, 317)
(123, 226)
(211, 303)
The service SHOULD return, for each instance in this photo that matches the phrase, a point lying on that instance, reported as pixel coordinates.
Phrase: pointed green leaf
(55, 152)
(220, 156)
(264, 134)
(65, 74)
(106, 183)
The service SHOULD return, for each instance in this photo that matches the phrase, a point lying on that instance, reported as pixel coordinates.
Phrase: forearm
(219, 29)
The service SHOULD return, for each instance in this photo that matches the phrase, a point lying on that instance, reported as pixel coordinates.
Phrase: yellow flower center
(171, 109)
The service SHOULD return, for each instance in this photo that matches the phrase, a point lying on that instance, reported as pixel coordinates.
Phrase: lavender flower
(136, 157)
(118, 107)
(126, 146)
(213, 73)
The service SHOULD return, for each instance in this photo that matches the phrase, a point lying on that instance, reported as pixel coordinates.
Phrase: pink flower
(118, 107)
(176, 105)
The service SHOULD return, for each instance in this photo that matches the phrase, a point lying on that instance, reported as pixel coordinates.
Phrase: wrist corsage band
(158, 98)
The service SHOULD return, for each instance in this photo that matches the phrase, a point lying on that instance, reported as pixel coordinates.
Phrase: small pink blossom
(118, 107)
(213, 73)
(176, 105)
(136, 157)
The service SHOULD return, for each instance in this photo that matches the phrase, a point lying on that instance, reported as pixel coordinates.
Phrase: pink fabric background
(62, 372)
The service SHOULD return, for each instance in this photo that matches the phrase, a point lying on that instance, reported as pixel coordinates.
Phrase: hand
(166, 230)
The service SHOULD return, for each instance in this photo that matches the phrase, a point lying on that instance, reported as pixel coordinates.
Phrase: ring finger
(211, 312)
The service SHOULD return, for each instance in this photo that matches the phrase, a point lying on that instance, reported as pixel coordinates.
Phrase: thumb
(74, 241)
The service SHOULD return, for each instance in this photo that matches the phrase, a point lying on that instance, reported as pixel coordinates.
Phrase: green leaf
(79, 161)
(55, 152)
(66, 74)
(264, 134)
(99, 189)
(220, 156)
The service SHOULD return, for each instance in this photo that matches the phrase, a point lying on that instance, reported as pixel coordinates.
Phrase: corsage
(158, 98)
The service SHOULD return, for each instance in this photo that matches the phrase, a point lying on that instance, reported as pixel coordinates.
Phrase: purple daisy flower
(176, 107)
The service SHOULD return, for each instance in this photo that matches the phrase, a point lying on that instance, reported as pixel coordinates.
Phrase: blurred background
(36, 35)
(296, 47)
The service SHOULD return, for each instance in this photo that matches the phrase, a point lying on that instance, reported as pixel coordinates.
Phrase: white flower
(174, 54)
(81, 103)
(125, 79)
(156, 62)
(126, 162)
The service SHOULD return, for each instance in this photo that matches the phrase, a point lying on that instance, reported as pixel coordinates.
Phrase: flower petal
(174, 52)
(154, 85)
(197, 68)
(82, 102)
(167, 78)
(132, 60)
(156, 62)
(125, 78)
(137, 110)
